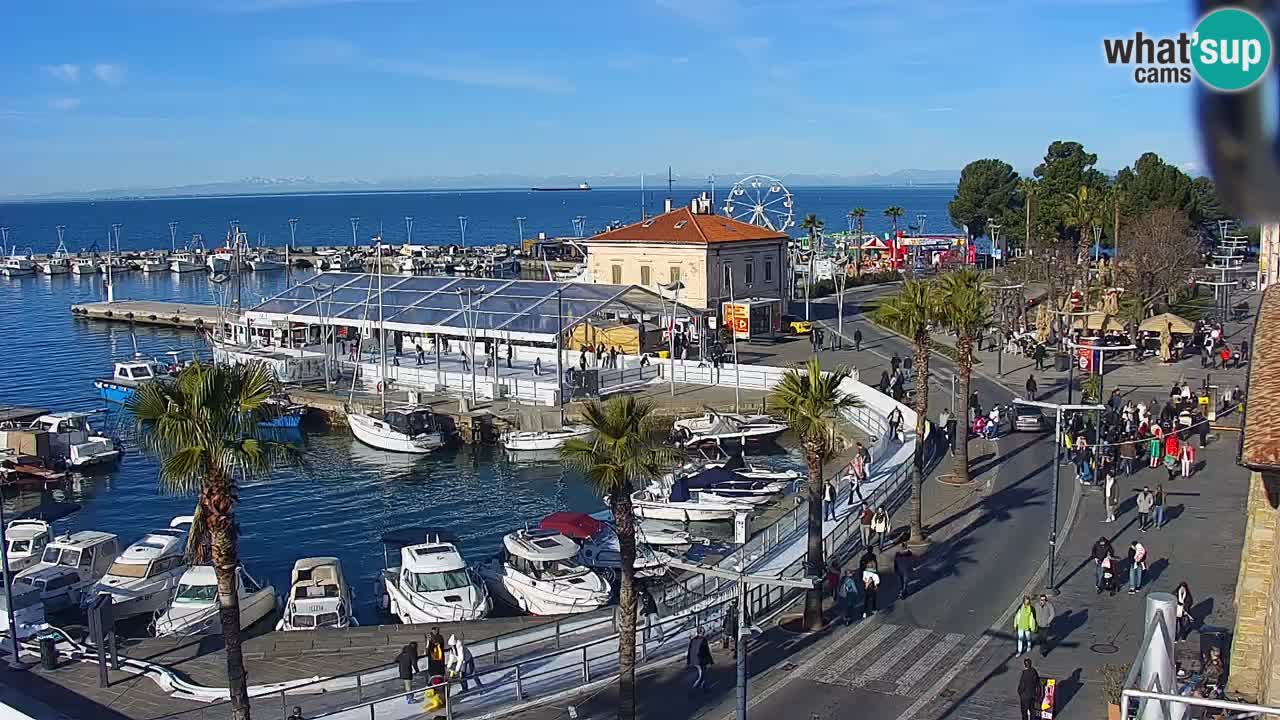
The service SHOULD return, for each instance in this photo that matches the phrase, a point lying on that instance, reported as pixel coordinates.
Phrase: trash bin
(1061, 362)
(48, 652)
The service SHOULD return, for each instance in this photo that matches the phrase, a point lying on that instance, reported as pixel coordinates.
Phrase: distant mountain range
(490, 181)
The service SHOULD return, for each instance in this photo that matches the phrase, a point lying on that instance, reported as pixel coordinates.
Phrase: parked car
(1028, 418)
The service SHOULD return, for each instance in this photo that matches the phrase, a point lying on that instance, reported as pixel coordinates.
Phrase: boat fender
(176, 319)
(108, 313)
(129, 315)
(199, 322)
(151, 318)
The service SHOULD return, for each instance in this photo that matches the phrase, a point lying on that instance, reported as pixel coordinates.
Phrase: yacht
(84, 266)
(185, 262)
(73, 442)
(142, 579)
(59, 263)
(155, 264)
(318, 596)
(432, 583)
(543, 439)
(26, 540)
(538, 571)
(16, 265)
(126, 378)
(599, 546)
(70, 565)
(265, 261)
(667, 500)
(194, 609)
(718, 427)
(408, 430)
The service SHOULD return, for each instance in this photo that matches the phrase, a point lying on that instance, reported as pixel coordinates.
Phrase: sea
(342, 496)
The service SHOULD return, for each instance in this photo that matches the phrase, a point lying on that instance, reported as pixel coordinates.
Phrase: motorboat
(126, 378)
(73, 442)
(142, 579)
(411, 264)
(116, 264)
(319, 596)
(154, 264)
(524, 440)
(672, 500)
(27, 610)
(600, 548)
(718, 484)
(26, 540)
(719, 427)
(283, 414)
(70, 566)
(538, 572)
(410, 429)
(185, 262)
(265, 261)
(84, 266)
(340, 261)
(16, 266)
(432, 583)
(59, 263)
(194, 610)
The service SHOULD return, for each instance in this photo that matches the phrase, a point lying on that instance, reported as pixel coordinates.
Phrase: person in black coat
(435, 653)
(699, 657)
(407, 661)
(904, 565)
(1028, 691)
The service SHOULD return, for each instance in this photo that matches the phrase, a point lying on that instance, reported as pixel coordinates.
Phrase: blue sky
(120, 93)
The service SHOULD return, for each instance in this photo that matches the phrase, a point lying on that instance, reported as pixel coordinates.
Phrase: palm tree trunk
(216, 503)
(624, 522)
(922, 418)
(960, 465)
(817, 563)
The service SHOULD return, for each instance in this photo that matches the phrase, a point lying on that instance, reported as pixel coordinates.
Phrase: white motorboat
(16, 265)
(319, 596)
(340, 261)
(117, 265)
(26, 540)
(70, 566)
(142, 579)
(185, 262)
(524, 440)
(600, 548)
(411, 264)
(672, 501)
(73, 442)
(195, 607)
(59, 263)
(265, 261)
(154, 264)
(719, 427)
(408, 430)
(538, 571)
(84, 266)
(432, 583)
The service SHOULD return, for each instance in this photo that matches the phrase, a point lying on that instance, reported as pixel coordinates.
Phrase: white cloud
(66, 72)
(68, 103)
(109, 73)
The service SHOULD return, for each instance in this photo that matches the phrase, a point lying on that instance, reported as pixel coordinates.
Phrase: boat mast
(382, 335)
(111, 294)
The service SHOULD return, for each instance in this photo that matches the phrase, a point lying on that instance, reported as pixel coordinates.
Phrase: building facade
(710, 255)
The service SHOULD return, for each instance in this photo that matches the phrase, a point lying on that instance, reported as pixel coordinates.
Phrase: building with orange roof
(705, 252)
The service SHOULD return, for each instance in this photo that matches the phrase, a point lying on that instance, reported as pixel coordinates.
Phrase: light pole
(733, 338)
(462, 228)
(14, 664)
(408, 230)
(467, 316)
(840, 275)
(520, 230)
(1050, 588)
(293, 232)
(993, 232)
(580, 226)
(672, 287)
(355, 223)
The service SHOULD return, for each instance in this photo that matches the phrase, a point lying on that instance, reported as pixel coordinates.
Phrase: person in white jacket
(462, 664)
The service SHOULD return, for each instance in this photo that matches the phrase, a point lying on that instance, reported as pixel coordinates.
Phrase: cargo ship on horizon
(581, 186)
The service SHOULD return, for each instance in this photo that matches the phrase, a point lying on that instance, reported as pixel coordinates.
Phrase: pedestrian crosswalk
(888, 658)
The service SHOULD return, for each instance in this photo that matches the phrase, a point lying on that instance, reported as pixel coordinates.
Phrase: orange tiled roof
(1260, 446)
(684, 226)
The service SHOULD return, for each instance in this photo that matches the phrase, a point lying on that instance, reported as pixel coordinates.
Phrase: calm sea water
(345, 495)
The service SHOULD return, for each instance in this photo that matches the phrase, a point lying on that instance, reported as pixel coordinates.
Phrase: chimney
(666, 206)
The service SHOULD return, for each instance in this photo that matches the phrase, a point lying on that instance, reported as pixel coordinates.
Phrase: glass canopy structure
(525, 310)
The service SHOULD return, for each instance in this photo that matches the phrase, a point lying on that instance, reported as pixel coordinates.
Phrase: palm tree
(811, 402)
(626, 450)
(814, 226)
(894, 212)
(966, 309)
(912, 312)
(859, 215)
(1082, 213)
(204, 430)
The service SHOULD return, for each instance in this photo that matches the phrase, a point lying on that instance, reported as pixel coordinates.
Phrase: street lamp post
(520, 229)
(355, 223)
(462, 227)
(672, 287)
(993, 232)
(839, 273)
(8, 589)
(1050, 585)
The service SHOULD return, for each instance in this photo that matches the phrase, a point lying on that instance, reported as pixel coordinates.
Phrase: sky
(151, 93)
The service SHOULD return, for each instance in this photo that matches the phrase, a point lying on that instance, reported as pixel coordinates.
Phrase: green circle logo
(1232, 49)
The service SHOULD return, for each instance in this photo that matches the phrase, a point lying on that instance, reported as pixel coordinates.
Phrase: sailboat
(409, 429)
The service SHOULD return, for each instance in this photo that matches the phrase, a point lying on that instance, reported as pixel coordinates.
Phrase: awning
(1099, 321)
(1174, 323)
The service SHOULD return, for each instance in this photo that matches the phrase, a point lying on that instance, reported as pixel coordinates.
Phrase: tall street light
(672, 287)
(355, 223)
(462, 227)
(1051, 583)
(993, 232)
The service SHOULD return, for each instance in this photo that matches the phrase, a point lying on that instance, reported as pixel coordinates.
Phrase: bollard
(586, 667)
(519, 687)
(557, 634)
(359, 688)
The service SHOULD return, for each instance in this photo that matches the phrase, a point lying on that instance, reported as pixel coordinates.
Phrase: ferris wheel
(761, 200)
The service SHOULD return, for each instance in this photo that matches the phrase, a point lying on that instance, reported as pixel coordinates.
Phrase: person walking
(857, 340)
(1031, 387)
(1028, 692)
(407, 663)
(511, 353)
(1187, 456)
(1155, 447)
(1183, 612)
(462, 664)
(849, 593)
(417, 350)
(951, 432)
(1145, 502)
(1039, 354)
(1157, 506)
(831, 581)
(828, 500)
(880, 526)
(1024, 625)
(435, 653)
(1137, 566)
(904, 566)
(1109, 496)
(699, 659)
(1101, 550)
(1128, 455)
(864, 525)
(729, 629)
(1045, 613)
(870, 589)
(944, 420)
(537, 366)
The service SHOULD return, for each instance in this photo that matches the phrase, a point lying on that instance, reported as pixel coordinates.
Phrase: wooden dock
(150, 312)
